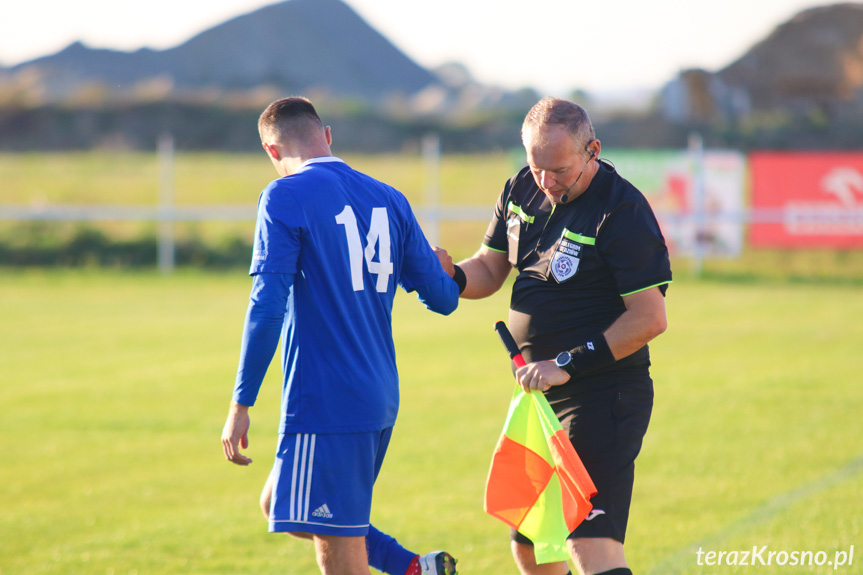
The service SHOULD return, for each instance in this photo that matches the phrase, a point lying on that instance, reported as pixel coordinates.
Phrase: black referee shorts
(606, 427)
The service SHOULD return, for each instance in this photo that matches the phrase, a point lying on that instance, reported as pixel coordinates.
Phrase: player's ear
(272, 151)
(329, 135)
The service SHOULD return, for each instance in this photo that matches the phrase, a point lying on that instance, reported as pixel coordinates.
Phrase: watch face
(563, 359)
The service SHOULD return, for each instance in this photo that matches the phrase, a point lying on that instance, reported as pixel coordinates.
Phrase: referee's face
(556, 162)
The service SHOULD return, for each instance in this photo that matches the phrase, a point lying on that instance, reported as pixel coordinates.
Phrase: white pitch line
(681, 562)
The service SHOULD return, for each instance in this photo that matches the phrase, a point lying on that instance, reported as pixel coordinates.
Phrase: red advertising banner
(806, 200)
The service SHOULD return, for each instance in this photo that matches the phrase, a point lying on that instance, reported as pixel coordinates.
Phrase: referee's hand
(235, 434)
(540, 375)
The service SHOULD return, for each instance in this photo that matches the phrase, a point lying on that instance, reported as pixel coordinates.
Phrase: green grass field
(127, 178)
(115, 387)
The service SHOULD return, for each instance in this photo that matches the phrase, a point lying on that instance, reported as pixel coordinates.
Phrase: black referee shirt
(576, 261)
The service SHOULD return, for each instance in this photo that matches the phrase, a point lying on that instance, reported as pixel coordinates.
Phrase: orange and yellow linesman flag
(537, 483)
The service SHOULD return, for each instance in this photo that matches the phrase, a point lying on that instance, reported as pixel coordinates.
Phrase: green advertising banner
(697, 196)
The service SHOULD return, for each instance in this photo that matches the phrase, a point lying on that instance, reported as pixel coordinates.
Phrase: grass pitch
(115, 388)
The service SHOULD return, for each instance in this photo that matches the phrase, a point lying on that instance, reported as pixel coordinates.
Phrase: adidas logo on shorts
(322, 511)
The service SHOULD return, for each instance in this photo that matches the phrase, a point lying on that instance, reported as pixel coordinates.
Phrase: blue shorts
(322, 483)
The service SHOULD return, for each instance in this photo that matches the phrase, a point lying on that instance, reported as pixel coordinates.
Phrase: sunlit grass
(115, 387)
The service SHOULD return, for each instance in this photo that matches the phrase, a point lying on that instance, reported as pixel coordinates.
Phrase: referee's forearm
(480, 281)
(643, 320)
(485, 273)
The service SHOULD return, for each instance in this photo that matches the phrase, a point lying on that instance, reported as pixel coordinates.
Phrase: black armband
(459, 278)
(591, 355)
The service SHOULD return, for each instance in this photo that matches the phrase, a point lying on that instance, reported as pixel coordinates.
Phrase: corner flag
(537, 483)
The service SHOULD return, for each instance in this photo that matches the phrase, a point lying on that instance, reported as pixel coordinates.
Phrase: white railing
(689, 229)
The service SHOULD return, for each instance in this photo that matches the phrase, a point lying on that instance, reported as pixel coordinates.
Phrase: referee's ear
(593, 147)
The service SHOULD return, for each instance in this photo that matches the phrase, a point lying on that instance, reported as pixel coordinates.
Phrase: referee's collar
(322, 160)
(600, 178)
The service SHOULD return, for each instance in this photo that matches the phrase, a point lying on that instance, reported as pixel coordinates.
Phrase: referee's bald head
(558, 112)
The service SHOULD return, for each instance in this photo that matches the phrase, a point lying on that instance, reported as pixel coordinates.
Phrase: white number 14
(379, 234)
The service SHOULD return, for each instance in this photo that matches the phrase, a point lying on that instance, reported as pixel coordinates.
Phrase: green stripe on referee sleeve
(579, 238)
(517, 210)
(646, 288)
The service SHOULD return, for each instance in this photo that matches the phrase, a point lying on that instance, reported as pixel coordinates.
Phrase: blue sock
(385, 553)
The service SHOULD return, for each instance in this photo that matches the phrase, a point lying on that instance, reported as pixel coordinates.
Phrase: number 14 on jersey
(378, 235)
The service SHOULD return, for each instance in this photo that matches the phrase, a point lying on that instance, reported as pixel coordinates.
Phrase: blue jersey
(348, 240)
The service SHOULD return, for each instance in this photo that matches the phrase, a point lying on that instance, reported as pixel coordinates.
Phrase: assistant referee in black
(593, 270)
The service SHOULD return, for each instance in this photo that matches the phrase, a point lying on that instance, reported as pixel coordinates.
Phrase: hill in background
(802, 86)
(296, 46)
(814, 58)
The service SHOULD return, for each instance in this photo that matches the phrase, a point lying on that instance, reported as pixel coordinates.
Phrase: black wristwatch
(564, 362)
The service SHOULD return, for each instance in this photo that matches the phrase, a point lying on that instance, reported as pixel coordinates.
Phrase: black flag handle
(509, 344)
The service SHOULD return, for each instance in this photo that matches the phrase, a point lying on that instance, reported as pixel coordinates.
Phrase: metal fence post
(166, 204)
(432, 198)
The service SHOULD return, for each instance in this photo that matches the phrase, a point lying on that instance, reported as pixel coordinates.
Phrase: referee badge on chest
(567, 255)
(564, 264)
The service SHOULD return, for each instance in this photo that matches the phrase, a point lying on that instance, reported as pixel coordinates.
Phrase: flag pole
(509, 344)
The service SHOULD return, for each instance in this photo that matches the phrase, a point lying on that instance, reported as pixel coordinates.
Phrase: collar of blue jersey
(322, 160)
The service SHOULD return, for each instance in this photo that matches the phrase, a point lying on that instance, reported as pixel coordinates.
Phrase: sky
(554, 46)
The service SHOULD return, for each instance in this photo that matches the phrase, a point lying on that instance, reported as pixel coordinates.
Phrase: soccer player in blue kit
(331, 245)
